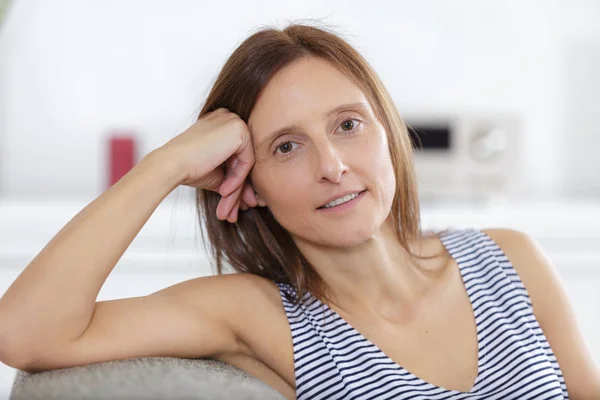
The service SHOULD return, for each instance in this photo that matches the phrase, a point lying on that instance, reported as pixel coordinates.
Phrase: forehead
(300, 92)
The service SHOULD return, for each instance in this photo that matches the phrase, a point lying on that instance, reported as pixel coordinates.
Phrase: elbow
(31, 359)
(19, 362)
(12, 356)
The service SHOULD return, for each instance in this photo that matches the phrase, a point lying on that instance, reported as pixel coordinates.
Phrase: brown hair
(256, 243)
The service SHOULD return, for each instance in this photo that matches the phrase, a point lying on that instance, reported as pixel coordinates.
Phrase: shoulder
(244, 290)
(528, 259)
(552, 308)
(246, 299)
(534, 268)
(234, 288)
(252, 309)
(236, 299)
(537, 272)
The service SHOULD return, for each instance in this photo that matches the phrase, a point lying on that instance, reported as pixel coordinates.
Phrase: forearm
(53, 299)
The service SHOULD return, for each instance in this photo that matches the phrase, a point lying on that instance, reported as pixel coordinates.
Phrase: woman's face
(326, 145)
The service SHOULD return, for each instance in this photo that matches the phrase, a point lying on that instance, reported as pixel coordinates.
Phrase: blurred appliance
(465, 157)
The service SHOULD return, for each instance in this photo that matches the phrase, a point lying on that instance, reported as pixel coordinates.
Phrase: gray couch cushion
(143, 378)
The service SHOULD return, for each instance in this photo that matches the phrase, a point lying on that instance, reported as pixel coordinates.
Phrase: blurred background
(503, 96)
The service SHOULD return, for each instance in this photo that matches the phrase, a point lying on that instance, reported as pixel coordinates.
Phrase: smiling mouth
(324, 206)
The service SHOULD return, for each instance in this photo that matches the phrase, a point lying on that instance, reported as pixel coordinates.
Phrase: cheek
(383, 169)
(281, 186)
(388, 182)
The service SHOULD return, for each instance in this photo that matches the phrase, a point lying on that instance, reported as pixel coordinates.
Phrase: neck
(376, 277)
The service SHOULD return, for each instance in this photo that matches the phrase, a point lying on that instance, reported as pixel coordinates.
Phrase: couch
(143, 378)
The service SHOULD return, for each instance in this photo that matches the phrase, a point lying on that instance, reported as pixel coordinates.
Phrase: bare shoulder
(533, 266)
(553, 310)
(226, 292)
(233, 296)
(253, 311)
(257, 317)
(536, 271)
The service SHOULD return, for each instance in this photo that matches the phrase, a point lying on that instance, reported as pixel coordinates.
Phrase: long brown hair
(257, 243)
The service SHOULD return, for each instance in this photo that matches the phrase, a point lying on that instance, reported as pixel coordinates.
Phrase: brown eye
(350, 125)
(285, 149)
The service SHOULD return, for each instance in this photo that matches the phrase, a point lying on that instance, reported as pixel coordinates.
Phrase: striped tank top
(332, 360)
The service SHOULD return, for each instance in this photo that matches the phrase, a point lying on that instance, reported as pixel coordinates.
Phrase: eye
(352, 126)
(285, 147)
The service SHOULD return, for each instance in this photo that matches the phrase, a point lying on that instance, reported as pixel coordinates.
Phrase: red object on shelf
(122, 156)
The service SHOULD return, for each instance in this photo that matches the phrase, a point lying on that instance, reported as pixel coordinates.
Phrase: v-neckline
(480, 350)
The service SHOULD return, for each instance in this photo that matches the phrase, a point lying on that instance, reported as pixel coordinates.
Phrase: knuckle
(237, 121)
(218, 113)
(240, 129)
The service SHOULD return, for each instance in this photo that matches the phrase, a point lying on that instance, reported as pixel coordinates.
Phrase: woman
(306, 187)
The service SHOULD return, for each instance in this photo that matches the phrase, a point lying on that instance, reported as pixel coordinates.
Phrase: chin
(343, 233)
(347, 237)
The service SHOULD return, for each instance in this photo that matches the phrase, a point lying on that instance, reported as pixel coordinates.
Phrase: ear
(261, 201)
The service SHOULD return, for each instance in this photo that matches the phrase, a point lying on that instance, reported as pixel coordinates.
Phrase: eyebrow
(295, 127)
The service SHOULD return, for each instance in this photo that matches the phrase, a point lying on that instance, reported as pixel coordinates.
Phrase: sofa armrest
(143, 378)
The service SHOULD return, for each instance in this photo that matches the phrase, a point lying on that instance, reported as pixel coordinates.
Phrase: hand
(216, 154)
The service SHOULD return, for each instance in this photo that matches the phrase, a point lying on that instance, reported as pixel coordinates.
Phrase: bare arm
(49, 317)
(191, 319)
(52, 300)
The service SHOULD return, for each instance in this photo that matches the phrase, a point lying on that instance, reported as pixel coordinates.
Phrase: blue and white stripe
(333, 360)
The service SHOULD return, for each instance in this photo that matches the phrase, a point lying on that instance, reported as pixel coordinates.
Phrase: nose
(330, 163)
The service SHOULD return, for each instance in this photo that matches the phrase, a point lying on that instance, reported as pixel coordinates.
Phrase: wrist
(163, 167)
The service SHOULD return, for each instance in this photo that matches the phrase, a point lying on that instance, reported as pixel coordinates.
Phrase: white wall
(71, 71)
(579, 94)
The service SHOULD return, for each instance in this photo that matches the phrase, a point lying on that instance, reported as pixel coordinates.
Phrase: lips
(337, 196)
